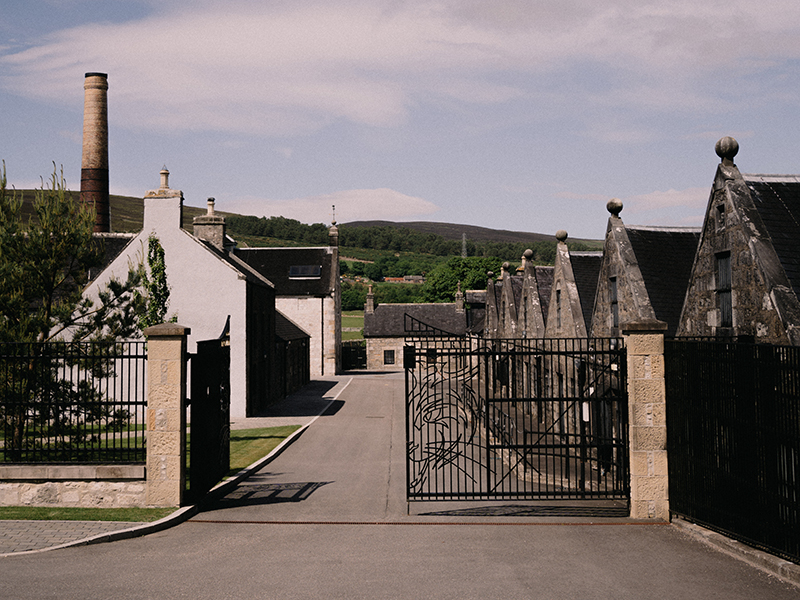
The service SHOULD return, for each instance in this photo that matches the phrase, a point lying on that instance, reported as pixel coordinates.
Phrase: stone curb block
(775, 565)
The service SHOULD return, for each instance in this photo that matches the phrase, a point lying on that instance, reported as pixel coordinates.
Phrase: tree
(154, 302)
(441, 284)
(45, 265)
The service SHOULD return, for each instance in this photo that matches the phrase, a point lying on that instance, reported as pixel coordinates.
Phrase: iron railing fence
(516, 419)
(74, 402)
(733, 429)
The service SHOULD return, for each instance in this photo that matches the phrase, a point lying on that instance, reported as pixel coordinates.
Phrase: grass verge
(248, 445)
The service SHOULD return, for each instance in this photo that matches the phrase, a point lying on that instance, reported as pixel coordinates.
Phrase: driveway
(328, 519)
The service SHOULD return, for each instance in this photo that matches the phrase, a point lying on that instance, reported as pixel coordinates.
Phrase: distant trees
(442, 283)
(280, 228)
(354, 295)
(391, 238)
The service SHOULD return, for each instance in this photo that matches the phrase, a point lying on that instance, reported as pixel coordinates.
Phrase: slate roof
(287, 330)
(250, 273)
(586, 269)
(544, 277)
(112, 245)
(777, 199)
(275, 265)
(388, 320)
(665, 256)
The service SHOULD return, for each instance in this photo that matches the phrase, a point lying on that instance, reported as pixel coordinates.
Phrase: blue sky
(512, 114)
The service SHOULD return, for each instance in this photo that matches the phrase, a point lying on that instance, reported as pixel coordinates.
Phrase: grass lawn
(247, 446)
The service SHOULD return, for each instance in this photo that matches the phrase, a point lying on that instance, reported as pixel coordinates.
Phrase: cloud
(351, 205)
(287, 68)
(689, 198)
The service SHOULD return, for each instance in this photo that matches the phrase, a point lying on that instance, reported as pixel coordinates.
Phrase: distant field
(353, 325)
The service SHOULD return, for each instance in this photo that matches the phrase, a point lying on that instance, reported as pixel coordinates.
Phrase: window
(724, 289)
(388, 357)
(720, 217)
(614, 302)
(558, 309)
(305, 271)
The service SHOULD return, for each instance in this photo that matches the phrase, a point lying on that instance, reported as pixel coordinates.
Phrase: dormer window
(612, 282)
(558, 309)
(724, 289)
(305, 272)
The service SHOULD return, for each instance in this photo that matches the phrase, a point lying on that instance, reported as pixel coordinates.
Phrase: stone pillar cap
(653, 326)
(167, 330)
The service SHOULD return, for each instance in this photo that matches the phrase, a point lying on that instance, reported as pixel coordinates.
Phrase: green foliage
(45, 265)
(279, 227)
(390, 239)
(354, 296)
(442, 283)
(155, 300)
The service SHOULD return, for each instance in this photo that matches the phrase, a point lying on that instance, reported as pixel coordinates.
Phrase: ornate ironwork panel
(515, 419)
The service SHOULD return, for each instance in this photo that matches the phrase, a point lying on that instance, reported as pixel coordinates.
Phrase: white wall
(204, 289)
(318, 318)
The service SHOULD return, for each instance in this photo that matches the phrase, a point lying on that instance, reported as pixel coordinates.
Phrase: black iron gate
(515, 419)
(209, 447)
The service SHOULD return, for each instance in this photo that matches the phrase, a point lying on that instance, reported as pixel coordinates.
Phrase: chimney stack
(94, 162)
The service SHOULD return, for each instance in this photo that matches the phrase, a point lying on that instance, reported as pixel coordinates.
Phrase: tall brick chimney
(94, 162)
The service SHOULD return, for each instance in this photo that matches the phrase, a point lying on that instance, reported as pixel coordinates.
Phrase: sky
(525, 115)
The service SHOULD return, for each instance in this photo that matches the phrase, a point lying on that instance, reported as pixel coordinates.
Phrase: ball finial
(727, 148)
(528, 254)
(561, 235)
(614, 206)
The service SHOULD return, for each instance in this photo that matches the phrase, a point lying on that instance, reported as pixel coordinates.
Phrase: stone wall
(375, 353)
(101, 486)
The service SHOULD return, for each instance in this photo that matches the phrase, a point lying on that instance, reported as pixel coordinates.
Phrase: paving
(27, 536)
(327, 518)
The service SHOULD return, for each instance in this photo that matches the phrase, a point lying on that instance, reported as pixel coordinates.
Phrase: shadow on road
(534, 511)
(267, 493)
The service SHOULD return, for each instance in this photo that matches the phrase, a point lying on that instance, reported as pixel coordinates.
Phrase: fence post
(166, 413)
(647, 418)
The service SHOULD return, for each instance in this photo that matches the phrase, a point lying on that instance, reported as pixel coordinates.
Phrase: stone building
(746, 275)
(573, 291)
(386, 327)
(308, 291)
(517, 304)
(643, 276)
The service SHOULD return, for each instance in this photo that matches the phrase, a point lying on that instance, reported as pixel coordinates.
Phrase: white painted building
(207, 286)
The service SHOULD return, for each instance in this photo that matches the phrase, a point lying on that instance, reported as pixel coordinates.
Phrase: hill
(127, 215)
(474, 233)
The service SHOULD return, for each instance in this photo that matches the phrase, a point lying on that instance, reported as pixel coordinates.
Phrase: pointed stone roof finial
(726, 148)
(333, 222)
(614, 206)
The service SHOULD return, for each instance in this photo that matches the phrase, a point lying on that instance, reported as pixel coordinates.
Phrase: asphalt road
(328, 519)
